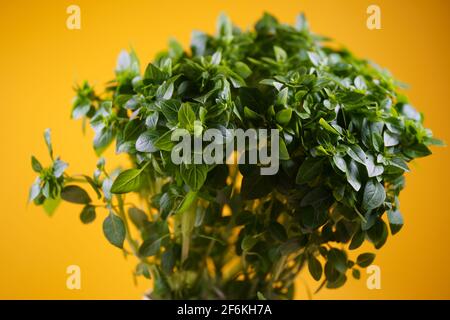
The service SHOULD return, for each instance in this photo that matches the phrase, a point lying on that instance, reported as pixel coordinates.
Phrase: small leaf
(36, 165)
(169, 109)
(365, 259)
(353, 175)
(315, 268)
(146, 141)
(283, 151)
(301, 24)
(314, 58)
(142, 269)
(35, 189)
(399, 163)
(260, 296)
(357, 154)
(87, 215)
(356, 274)
(390, 139)
(168, 260)
(360, 83)
(280, 54)
(152, 120)
(417, 151)
(357, 240)
(127, 181)
(106, 188)
(340, 163)
(271, 82)
(59, 167)
(378, 233)
(103, 138)
(94, 185)
(224, 27)
(165, 91)
(216, 58)
(186, 117)
(164, 141)
(282, 97)
(395, 220)
(154, 74)
(331, 273)
(242, 69)
(328, 127)
(75, 194)
(165, 205)
(284, 116)
(374, 195)
(373, 169)
(114, 230)
(81, 110)
(48, 142)
(250, 114)
(194, 175)
(339, 282)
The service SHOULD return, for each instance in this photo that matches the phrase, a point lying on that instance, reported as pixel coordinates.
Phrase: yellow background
(40, 60)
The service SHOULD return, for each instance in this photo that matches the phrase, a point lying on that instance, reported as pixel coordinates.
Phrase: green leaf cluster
(346, 137)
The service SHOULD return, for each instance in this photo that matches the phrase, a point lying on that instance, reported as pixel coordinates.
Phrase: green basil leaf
(357, 240)
(353, 175)
(194, 175)
(284, 116)
(315, 268)
(378, 233)
(365, 259)
(87, 215)
(186, 117)
(75, 194)
(36, 165)
(374, 195)
(114, 230)
(154, 74)
(146, 141)
(127, 181)
(48, 142)
(395, 220)
(59, 167)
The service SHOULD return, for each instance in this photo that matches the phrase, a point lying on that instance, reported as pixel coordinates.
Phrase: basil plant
(224, 230)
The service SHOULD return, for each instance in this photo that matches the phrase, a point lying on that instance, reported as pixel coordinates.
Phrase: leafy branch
(226, 231)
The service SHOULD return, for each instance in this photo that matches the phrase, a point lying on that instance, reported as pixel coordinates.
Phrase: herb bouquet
(224, 231)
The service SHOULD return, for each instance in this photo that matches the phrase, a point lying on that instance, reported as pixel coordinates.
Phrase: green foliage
(346, 138)
(127, 181)
(365, 259)
(114, 230)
